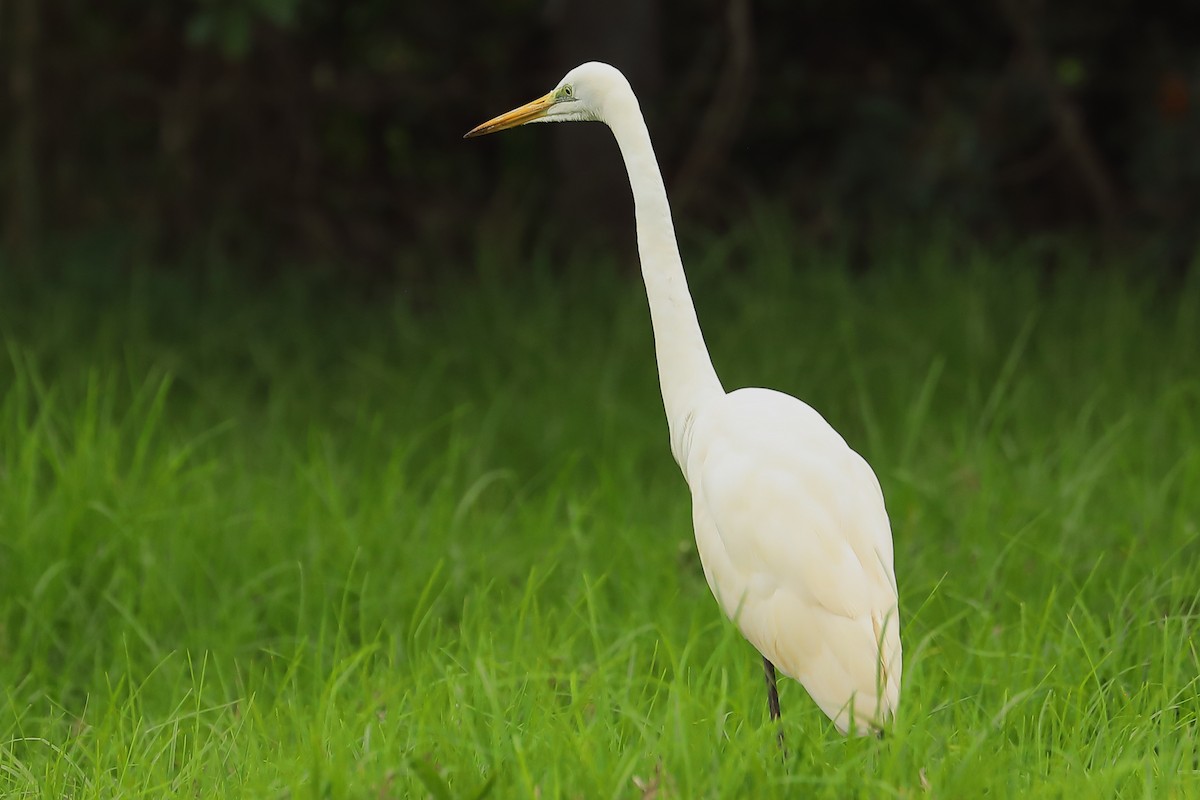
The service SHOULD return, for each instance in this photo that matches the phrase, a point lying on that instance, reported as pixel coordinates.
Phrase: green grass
(281, 542)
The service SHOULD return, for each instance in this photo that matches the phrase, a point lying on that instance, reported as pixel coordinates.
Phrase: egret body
(790, 522)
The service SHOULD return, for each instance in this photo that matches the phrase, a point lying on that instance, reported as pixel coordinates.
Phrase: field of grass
(285, 542)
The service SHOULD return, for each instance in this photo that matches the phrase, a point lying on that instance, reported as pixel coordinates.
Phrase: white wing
(796, 546)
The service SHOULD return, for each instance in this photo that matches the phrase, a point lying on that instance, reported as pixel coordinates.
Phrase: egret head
(580, 95)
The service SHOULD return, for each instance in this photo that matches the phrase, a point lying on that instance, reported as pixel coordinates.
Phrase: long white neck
(685, 370)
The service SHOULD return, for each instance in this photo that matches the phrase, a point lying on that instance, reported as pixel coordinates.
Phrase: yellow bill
(518, 116)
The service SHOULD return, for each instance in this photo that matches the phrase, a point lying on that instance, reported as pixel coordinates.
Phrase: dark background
(283, 133)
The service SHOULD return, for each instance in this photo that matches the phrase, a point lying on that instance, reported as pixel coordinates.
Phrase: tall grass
(282, 542)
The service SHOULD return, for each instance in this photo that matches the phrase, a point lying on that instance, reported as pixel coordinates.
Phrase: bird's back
(796, 546)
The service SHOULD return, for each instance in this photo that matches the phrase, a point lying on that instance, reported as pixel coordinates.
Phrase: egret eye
(568, 91)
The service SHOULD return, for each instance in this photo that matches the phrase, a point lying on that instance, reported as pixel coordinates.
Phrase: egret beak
(518, 116)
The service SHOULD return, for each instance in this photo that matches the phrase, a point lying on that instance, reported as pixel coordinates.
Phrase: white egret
(790, 522)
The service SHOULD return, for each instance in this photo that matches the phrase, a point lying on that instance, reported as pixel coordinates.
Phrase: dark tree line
(277, 130)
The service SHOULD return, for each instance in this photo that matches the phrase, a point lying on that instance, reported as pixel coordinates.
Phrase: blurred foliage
(271, 130)
(229, 24)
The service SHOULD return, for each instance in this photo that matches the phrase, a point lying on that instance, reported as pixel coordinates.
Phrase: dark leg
(772, 689)
(773, 698)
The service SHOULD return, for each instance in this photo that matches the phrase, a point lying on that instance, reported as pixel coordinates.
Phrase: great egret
(790, 522)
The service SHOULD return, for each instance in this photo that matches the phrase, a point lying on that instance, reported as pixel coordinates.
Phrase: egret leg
(772, 689)
(773, 698)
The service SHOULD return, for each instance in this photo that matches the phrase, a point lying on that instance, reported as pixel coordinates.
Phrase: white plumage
(790, 522)
(796, 546)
